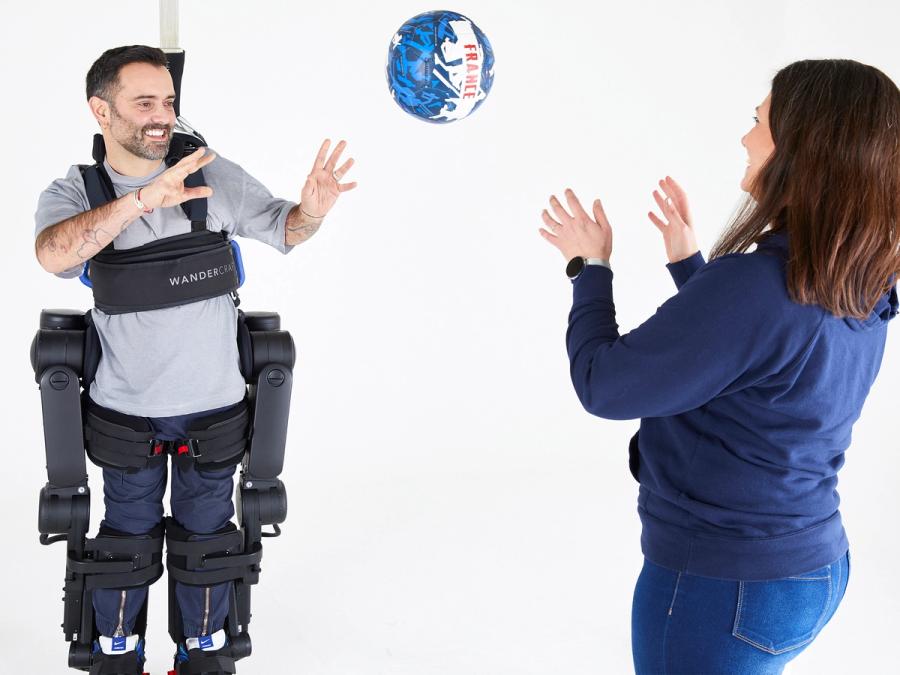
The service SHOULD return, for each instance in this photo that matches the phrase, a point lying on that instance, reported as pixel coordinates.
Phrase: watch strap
(597, 261)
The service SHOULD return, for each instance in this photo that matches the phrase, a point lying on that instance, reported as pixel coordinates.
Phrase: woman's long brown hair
(832, 184)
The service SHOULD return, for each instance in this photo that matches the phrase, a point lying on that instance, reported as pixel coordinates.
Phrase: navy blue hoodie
(747, 400)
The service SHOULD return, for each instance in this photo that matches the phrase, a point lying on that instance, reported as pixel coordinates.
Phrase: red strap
(183, 449)
(158, 448)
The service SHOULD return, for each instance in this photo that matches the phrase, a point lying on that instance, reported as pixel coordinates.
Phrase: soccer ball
(440, 67)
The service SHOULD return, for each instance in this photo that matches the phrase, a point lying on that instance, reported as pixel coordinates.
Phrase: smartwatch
(576, 265)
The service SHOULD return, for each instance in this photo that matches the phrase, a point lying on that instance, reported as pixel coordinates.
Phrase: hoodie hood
(885, 309)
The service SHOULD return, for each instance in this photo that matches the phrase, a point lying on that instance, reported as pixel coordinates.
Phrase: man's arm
(69, 243)
(322, 188)
(299, 226)
(258, 215)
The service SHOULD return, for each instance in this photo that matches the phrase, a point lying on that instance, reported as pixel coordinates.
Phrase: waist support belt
(166, 273)
(118, 441)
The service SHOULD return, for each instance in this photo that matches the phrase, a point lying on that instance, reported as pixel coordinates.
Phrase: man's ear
(100, 110)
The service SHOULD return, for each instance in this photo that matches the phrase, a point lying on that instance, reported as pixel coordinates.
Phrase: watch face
(573, 269)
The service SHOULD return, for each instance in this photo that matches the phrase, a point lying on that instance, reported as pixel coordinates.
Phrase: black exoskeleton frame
(64, 357)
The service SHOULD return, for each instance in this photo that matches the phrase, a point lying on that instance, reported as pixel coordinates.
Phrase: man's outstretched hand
(323, 185)
(322, 188)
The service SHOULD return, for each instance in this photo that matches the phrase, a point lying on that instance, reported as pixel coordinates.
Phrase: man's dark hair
(103, 77)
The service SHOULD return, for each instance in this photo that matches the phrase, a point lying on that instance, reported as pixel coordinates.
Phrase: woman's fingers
(660, 202)
(668, 209)
(578, 234)
(673, 190)
(549, 222)
(675, 186)
(559, 211)
(679, 198)
(600, 214)
(551, 238)
(574, 205)
(660, 225)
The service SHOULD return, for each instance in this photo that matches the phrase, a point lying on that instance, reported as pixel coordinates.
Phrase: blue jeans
(201, 502)
(692, 625)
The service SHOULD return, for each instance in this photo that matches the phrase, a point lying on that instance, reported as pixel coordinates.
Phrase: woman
(749, 379)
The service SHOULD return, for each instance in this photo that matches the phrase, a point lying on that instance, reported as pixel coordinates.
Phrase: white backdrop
(453, 510)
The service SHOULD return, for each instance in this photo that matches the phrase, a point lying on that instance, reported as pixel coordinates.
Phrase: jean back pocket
(784, 614)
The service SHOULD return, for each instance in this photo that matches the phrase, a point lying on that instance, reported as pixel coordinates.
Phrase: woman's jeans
(693, 625)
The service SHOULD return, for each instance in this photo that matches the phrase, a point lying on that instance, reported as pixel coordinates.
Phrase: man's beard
(133, 138)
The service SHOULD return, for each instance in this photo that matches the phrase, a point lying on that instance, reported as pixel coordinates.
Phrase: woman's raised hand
(678, 228)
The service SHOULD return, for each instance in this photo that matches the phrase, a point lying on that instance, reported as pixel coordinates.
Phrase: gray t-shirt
(176, 360)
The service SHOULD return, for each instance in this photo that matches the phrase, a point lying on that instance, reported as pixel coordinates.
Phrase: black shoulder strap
(98, 186)
(195, 209)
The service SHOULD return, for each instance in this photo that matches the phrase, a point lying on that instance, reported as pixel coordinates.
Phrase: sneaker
(122, 656)
(206, 655)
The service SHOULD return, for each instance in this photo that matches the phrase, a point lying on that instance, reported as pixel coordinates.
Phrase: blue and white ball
(440, 67)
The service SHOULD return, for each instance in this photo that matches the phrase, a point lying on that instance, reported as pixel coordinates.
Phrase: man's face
(142, 112)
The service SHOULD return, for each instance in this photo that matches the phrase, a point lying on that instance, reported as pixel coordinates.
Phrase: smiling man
(172, 365)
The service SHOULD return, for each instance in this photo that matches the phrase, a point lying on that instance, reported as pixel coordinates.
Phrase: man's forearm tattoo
(47, 242)
(90, 239)
(77, 239)
(303, 232)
